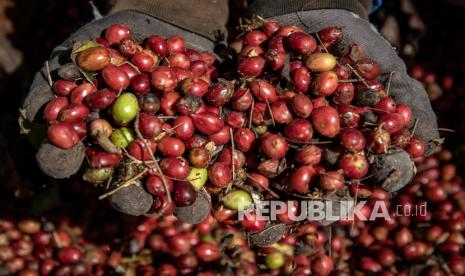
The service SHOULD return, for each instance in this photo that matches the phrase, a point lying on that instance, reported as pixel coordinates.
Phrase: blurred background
(427, 33)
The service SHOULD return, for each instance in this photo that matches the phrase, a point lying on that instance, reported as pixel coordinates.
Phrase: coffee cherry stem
(178, 179)
(56, 239)
(296, 147)
(321, 42)
(167, 117)
(157, 166)
(169, 131)
(272, 193)
(312, 196)
(49, 75)
(367, 124)
(271, 112)
(231, 137)
(354, 202)
(107, 144)
(167, 61)
(346, 81)
(134, 160)
(358, 75)
(107, 185)
(119, 92)
(414, 127)
(377, 109)
(445, 129)
(261, 19)
(125, 184)
(133, 66)
(312, 142)
(251, 113)
(388, 86)
(446, 268)
(330, 238)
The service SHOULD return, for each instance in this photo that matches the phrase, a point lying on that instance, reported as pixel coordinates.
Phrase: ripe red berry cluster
(180, 248)
(427, 226)
(293, 117)
(128, 100)
(311, 117)
(209, 248)
(304, 91)
(29, 247)
(68, 245)
(429, 240)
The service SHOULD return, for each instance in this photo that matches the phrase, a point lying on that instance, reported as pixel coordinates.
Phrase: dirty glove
(196, 21)
(313, 16)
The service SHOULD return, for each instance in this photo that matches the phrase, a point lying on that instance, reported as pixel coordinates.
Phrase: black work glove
(404, 89)
(136, 15)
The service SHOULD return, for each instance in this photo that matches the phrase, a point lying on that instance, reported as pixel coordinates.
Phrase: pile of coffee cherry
(425, 235)
(209, 248)
(33, 247)
(290, 118)
(69, 245)
(415, 240)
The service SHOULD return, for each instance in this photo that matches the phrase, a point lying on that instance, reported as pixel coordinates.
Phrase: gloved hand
(196, 21)
(395, 174)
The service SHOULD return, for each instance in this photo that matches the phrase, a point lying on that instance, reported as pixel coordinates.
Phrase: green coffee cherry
(274, 260)
(125, 108)
(238, 200)
(197, 177)
(122, 137)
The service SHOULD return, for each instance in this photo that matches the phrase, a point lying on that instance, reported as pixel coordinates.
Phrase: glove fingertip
(132, 200)
(60, 163)
(269, 235)
(197, 212)
(392, 171)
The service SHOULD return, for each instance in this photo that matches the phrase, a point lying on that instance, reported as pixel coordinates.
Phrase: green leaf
(81, 46)
(90, 76)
